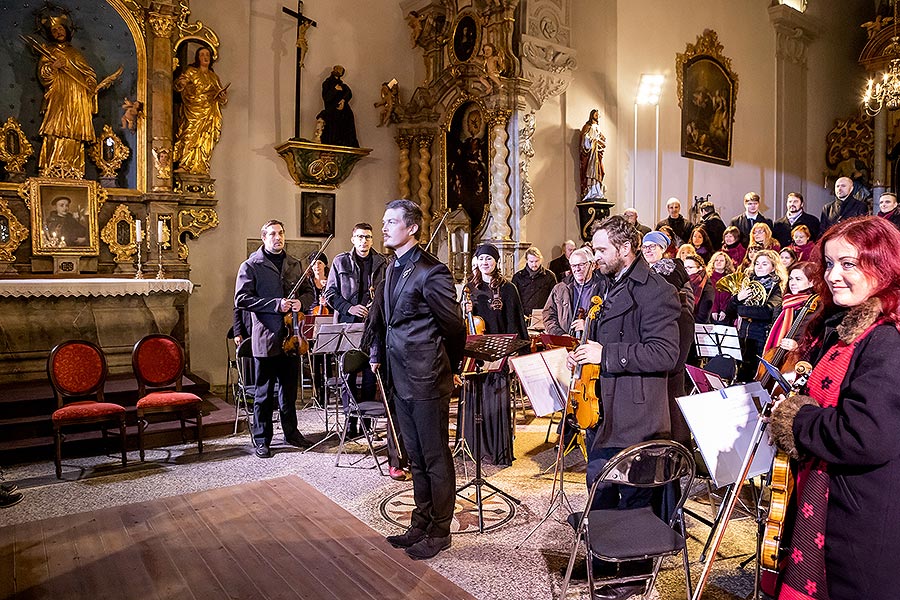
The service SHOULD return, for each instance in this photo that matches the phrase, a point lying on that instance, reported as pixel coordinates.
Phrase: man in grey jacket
(263, 287)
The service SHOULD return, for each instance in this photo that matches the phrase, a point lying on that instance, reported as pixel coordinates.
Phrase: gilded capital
(162, 25)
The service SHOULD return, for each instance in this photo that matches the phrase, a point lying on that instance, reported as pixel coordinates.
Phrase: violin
(780, 357)
(583, 400)
(320, 309)
(294, 343)
(578, 315)
(474, 323)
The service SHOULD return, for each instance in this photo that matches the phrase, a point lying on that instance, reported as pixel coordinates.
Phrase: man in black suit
(750, 217)
(419, 337)
(794, 216)
(844, 205)
(263, 287)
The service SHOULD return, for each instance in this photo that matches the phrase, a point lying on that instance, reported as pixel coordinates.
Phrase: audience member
(560, 265)
(794, 216)
(534, 281)
(844, 206)
(750, 217)
(680, 226)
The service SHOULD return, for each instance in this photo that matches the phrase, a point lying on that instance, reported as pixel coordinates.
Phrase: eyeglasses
(583, 265)
(651, 247)
(363, 237)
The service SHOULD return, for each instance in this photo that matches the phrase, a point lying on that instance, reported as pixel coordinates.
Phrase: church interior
(130, 198)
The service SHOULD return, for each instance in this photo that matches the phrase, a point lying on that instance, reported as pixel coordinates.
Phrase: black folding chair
(365, 413)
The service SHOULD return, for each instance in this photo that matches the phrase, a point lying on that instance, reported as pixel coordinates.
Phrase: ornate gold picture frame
(707, 93)
(63, 215)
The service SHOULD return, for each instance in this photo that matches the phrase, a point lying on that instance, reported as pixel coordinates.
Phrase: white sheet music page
(545, 377)
(723, 423)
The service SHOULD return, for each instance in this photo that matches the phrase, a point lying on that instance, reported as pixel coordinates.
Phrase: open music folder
(545, 377)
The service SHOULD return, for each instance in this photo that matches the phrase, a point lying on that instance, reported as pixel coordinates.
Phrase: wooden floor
(269, 539)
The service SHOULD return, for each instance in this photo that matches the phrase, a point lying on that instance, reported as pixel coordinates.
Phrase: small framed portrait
(316, 214)
(465, 38)
(63, 215)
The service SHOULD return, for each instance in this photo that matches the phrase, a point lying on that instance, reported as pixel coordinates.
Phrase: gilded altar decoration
(15, 149)
(70, 92)
(200, 116)
(707, 93)
(108, 153)
(120, 235)
(12, 233)
(162, 162)
(64, 214)
(132, 111)
(319, 165)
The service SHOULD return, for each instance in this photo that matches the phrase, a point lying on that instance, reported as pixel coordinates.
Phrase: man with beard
(635, 342)
(418, 334)
(844, 206)
(676, 221)
(534, 281)
(795, 215)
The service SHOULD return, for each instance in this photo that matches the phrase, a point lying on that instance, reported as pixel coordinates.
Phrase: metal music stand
(486, 348)
(336, 339)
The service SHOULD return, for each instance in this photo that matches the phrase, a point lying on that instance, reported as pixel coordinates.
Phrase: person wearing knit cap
(496, 300)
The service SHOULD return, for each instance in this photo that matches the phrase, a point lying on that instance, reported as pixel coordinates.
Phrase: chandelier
(886, 92)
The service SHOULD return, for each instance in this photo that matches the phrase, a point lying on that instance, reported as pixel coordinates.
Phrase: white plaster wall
(369, 38)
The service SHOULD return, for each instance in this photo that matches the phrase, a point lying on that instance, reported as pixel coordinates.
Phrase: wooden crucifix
(303, 24)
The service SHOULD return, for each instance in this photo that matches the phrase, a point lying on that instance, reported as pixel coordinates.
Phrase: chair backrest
(158, 361)
(76, 368)
(722, 365)
(354, 361)
(245, 364)
(649, 464)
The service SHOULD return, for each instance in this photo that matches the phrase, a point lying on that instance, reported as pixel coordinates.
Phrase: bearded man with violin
(263, 288)
(634, 339)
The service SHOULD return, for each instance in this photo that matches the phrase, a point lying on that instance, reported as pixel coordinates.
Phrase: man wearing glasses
(570, 299)
(351, 283)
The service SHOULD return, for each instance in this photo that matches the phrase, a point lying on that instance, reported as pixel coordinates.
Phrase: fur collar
(858, 319)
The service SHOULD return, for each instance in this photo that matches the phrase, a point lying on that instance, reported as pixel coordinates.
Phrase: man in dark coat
(750, 217)
(263, 287)
(677, 222)
(571, 294)
(419, 340)
(844, 206)
(635, 342)
(713, 224)
(794, 216)
(631, 215)
(560, 265)
(534, 282)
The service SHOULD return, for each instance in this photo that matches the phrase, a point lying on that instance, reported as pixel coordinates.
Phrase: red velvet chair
(77, 369)
(158, 362)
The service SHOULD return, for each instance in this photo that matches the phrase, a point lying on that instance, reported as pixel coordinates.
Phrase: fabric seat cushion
(630, 534)
(86, 409)
(167, 399)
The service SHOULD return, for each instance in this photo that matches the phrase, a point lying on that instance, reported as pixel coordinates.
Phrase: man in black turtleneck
(676, 221)
(263, 287)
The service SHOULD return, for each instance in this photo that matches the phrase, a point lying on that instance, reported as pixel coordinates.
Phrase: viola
(474, 323)
(583, 400)
(294, 344)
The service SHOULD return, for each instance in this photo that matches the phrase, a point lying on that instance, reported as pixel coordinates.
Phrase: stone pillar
(879, 178)
(162, 25)
(499, 229)
(423, 141)
(404, 141)
(794, 31)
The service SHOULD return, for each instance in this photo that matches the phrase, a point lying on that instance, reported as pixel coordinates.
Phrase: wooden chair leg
(199, 430)
(124, 441)
(183, 429)
(57, 435)
(141, 423)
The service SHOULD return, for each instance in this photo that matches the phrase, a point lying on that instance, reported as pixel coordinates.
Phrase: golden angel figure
(200, 122)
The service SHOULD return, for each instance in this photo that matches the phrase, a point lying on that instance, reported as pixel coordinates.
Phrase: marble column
(500, 211)
(162, 25)
(794, 31)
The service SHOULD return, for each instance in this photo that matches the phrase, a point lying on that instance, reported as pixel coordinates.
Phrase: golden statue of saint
(200, 122)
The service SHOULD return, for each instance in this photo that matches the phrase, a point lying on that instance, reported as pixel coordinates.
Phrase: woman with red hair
(846, 535)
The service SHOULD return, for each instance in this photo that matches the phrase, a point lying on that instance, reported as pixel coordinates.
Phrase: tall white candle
(159, 231)
(138, 232)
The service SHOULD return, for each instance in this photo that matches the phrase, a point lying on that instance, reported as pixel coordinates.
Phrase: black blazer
(745, 225)
(421, 334)
(781, 231)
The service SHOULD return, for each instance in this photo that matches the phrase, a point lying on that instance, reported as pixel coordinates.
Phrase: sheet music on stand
(545, 377)
(723, 423)
(492, 349)
(537, 320)
(713, 340)
(338, 337)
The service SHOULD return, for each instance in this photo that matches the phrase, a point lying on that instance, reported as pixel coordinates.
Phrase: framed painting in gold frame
(63, 215)
(707, 93)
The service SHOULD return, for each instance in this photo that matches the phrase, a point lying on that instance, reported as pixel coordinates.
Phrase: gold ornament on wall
(119, 234)
(12, 233)
(108, 153)
(15, 149)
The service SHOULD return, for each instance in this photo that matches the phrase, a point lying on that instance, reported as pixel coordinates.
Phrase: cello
(583, 400)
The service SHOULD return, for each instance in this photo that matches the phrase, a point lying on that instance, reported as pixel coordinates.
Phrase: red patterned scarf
(804, 572)
(792, 302)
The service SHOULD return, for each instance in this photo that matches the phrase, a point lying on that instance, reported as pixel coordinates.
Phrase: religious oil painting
(467, 162)
(707, 89)
(465, 38)
(316, 214)
(64, 216)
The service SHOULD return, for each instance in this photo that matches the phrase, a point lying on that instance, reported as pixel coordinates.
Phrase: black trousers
(424, 428)
(276, 380)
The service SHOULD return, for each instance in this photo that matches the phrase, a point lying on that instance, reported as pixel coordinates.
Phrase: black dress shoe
(406, 539)
(262, 451)
(296, 439)
(428, 547)
(8, 488)
(7, 499)
(619, 591)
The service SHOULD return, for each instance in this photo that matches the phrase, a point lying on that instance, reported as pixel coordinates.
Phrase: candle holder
(139, 269)
(160, 273)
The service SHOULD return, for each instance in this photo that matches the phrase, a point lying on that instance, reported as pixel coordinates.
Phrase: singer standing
(419, 340)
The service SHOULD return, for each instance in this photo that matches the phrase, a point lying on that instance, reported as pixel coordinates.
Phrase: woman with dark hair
(844, 433)
(704, 292)
(496, 300)
(757, 311)
(732, 246)
(700, 241)
(788, 257)
(720, 265)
